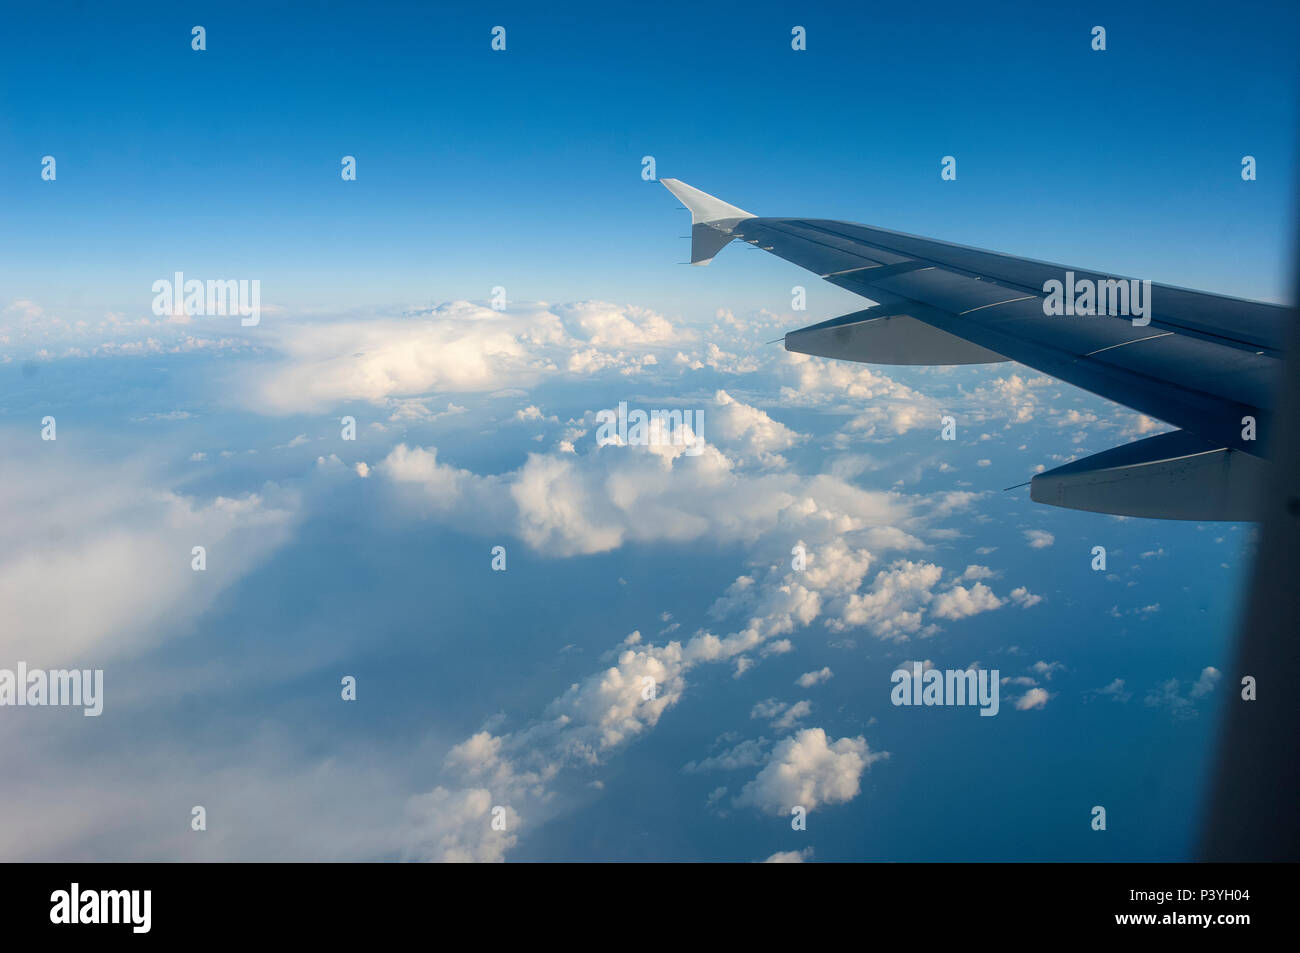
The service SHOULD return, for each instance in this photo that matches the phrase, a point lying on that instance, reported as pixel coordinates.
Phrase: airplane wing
(1206, 364)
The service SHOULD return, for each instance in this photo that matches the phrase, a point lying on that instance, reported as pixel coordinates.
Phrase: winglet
(704, 207)
(711, 220)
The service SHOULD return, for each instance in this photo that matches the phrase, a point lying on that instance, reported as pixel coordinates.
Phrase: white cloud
(95, 563)
(1024, 598)
(1013, 397)
(459, 348)
(894, 605)
(605, 325)
(455, 348)
(456, 827)
(1205, 684)
(1116, 690)
(1046, 669)
(568, 504)
(809, 679)
(614, 706)
(782, 715)
(1034, 698)
(611, 707)
(1039, 539)
(748, 432)
(960, 602)
(807, 770)
(746, 754)
(790, 856)
(417, 408)
(534, 413)
(891, 407)
(442, 489)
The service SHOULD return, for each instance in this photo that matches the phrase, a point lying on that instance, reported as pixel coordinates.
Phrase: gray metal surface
(1197, 364)
(1173, 475)
(1205, 363)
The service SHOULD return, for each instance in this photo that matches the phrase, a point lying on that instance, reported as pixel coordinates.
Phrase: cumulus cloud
(612, 707)
(1024, 598)
(893, 604)
(808, 771)
(790, 856)
(1205, 683)
(782, 715)
(1046, 669)
(1013, 396)
(606, 325)
(570, 504)
(1034, 698)
(595, 716)
(893, 607)
(443, 489)
(891, 407)
(456, 827)
(458, 348)
(960, 602)
(1039, 539)
(609, 708)
(748, 432)
(455, 348)
(809, 679)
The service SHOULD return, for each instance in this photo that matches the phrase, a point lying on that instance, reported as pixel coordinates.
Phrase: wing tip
(704, 208)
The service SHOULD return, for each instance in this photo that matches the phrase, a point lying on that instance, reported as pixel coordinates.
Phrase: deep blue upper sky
(522, 168)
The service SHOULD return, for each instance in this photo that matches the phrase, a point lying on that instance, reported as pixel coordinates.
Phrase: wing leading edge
(1207, 364)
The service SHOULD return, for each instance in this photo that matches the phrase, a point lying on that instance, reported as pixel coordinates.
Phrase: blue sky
(476, 428)
(228, 160)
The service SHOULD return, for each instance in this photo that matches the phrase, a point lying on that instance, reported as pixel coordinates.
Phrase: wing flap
(874, 338)
(1172, 476)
